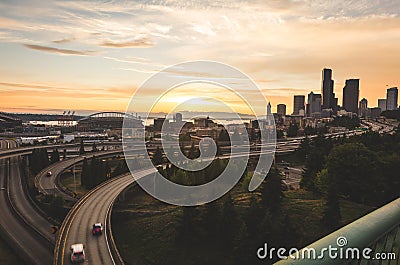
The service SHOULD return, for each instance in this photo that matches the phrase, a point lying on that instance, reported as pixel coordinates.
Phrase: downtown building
(298, 105)
(328, 97)
(363, 109)
(392, 98)
(350, 95)
(313, 104)
(281, 109)
(382, 104)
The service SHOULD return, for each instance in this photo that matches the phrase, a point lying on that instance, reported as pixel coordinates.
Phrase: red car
(97, 229)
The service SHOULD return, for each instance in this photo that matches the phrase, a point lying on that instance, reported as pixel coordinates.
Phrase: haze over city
(90, 56)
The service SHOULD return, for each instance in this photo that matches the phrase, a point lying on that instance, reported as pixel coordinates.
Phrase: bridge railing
(358, 235)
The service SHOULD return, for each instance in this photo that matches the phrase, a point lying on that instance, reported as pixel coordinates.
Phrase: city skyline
(90, 56)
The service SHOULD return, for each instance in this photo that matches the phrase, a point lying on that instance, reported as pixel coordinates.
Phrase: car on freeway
(77, 253)
(97, 229)
(49, 174)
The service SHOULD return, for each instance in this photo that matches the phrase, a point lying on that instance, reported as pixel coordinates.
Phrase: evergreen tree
(236, 138)
(55, 156)
(82, 148)
(186, 226)
(158, 157)
(332, 216)
(229, 222)
(210, 223)
(252, 217)
(292, 130)
(224, 136)
(193, 152)
(94, 147)
(271, 193)
(85, 174)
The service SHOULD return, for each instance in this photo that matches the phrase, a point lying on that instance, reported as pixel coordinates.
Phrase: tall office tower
(327, 89)
(313, 104)
(269, 108)
(178, 117)
(382, 104)
(363, 107)
(298, 104)
(392, 98)
(281, 109)
(350, 95)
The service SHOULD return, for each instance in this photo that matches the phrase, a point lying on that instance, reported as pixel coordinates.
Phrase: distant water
(222, 121)
(48, 123)
(147, 122)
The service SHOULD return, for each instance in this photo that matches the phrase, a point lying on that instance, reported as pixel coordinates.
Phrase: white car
(77, 253)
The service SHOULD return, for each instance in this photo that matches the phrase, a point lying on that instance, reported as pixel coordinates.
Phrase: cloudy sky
(87, 55)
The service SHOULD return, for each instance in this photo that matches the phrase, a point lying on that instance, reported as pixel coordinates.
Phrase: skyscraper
(327, 89)
(298, 104)
(313, 104)
(382, 104)
(363, 107)
(392, 98)
(178, 117)
(350, 95)
(281, 109)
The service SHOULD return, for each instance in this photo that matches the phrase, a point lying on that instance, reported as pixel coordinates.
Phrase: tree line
(362, 169)
(227, 226)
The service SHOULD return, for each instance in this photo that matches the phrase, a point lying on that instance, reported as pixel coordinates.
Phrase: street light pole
(74, 177)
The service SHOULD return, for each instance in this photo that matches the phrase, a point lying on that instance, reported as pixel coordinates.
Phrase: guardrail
(20, 217)
(22, 150)
(112, 246)
(359, 234)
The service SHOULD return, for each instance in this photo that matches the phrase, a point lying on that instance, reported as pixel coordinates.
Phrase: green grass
(69, 183)
(7, 256)
(144, 228)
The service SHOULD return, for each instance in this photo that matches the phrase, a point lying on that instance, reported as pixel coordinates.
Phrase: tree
(332, 216)
(224, 136)
(65, 154)
(55, 156)
(158, 157)
(252, 217)
(193, 152)
(293, 129)
(82, 148)
(94, 147)
(120, 169)
(186, 225)
(271, 192)
(354, 168)
(229, 222)
(305, 147)
(315, 161)
(38, 160)
(210, 221)
(85, 174)
(236, 138)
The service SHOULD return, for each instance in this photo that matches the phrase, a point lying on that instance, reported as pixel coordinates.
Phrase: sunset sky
(88, 55)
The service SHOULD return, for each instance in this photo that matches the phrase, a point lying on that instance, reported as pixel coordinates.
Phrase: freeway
(70, 147)
(24, 230)
(49, 185)
(76, 227)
